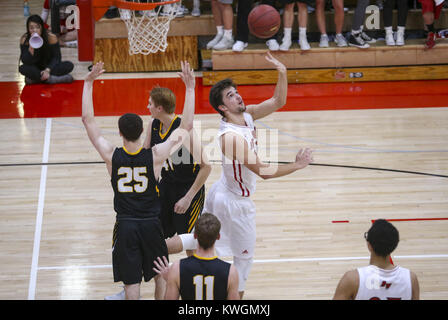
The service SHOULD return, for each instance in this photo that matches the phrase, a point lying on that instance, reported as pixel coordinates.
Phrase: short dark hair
(383, 237)
(130, 126)
(215, 96)
(207, 230)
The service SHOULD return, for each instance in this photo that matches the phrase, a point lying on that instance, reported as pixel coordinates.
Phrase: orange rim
(100, 6)
(141, 6)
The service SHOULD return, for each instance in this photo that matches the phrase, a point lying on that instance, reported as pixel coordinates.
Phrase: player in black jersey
(138, 237)
(182, 190)
(202, 276)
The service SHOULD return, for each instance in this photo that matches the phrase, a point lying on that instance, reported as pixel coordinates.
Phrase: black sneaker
(357, 41)
(367, 38)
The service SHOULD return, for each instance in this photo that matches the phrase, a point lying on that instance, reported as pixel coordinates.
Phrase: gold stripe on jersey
(132, 153)
(196, 214)
(163, 135)
(205, 258)
(114, 234)
(195, 206)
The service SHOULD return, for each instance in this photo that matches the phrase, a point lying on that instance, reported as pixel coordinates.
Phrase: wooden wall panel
(114, 53)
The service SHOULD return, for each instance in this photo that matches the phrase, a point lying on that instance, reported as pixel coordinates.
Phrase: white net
(148, 30)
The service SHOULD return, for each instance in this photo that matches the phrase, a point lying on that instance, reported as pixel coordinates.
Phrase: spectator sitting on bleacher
(401, 21)
(431, 10)
(288, 20)
(42, 59)
(358, 38)
(68, 36)
(223, 16)
(242, 28)
(339, 14)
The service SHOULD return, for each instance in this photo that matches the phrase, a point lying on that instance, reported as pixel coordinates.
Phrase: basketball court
(380, 151)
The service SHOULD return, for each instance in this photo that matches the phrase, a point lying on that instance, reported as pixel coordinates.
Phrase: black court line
(217, 161)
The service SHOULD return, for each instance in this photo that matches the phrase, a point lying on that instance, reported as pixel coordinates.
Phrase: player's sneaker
(239, 46)
(118, 296)
(214, 41)
(303, 43)
(224, 44)
(340, 40)
(273, 45)
(430, 40)
(356, 40)
(286, 44)
(323, 43)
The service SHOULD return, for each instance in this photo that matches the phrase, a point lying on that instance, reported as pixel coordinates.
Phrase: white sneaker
(224, 44)
(196, 12)
(340, 41)
(215, 40)
(390, 41)
(273, 45)
(175, 9)
(118, 296)
(286, 44)
(400, 38)
(323, 43)
(239, 46)
(303, 42)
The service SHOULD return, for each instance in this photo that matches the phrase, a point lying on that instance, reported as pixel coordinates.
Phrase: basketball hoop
(146, 23)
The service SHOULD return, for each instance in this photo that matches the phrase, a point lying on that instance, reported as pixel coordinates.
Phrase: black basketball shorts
(172, 222)
(136, 244)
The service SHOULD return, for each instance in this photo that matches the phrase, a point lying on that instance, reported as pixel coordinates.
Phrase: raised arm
(235, 147)
(278, 100)
(181, 135)
(200, 157)
(104, 147)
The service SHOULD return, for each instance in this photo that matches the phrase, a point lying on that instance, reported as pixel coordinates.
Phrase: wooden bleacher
(333, 64)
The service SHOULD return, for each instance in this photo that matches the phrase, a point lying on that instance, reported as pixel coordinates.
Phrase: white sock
(287, 33)
(219, 29)
(302, 31)
(228, 33)
(400, 29)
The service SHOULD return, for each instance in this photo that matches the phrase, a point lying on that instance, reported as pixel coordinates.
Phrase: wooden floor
(56, 220)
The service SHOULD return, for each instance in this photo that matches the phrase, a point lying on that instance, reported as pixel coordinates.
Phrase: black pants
(402, 6)
(242, 29)
(33, 72)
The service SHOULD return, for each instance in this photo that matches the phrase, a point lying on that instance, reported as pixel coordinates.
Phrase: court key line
(40, 211)
(426, 256)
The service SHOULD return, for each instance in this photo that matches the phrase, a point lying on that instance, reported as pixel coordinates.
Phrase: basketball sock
(228, 33)
(287, 33)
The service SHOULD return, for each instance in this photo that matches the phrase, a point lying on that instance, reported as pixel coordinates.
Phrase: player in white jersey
(380, 280)
(229, 197)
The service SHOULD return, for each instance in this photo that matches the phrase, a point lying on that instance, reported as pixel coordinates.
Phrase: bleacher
(188, 36)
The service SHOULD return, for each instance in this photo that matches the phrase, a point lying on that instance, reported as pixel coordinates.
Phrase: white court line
(426, 256)
(40, 212)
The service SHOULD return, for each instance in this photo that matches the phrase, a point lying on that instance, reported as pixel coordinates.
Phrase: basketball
(264, 21)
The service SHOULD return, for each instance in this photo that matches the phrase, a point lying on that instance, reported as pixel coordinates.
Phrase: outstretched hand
(187, 75)
(304, 157)
(162, 267)
(97, 70)
(278, 65)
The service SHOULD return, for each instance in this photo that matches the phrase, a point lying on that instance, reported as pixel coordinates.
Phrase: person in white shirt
(381, 279)
(229, 198)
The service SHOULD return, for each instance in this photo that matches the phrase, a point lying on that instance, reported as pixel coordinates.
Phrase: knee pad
(243, 266)
(188, 241)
